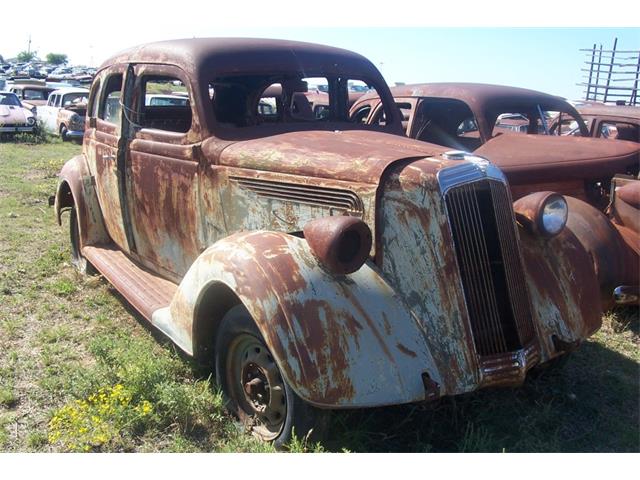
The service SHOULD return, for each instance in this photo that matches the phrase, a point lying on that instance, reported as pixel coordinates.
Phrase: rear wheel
(77, 259)
(254, 388)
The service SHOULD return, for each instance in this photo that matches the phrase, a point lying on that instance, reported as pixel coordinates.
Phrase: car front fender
(563, 288)
(339, 340)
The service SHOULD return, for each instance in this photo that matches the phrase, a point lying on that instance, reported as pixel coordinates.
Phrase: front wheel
(63, 133)
(254, 388)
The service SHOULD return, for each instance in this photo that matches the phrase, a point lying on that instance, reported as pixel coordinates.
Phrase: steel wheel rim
(256, 386)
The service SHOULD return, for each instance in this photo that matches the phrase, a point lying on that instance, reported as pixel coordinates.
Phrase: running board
(145, 291)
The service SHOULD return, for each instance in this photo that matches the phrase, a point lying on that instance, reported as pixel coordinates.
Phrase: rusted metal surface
(325, 330)
(614, 262)
(564, 290)
(193, 222)
(574, 165)
(76, 189)
(630, 194)
(529, 212)
(597, 114)
(341, 244)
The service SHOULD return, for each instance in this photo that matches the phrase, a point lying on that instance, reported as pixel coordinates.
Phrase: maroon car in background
(517, 130)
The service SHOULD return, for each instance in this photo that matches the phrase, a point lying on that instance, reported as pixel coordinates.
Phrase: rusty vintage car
(319, 263)
(513, 128)
(613, 122)
(521, 131)
(64, 113)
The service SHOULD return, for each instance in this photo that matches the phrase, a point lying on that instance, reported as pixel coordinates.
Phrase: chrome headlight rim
(553, 215)
(31, 121)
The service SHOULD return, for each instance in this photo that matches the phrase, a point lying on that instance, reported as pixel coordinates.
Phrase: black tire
(78, 260)
(238, 332)
(63, 133)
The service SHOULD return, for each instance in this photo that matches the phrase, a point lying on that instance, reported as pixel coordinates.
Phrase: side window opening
(110, 106)
(511, 122)
(564, 124)
(166, 105)
(446, 122)
(619, 131)
(405, 110)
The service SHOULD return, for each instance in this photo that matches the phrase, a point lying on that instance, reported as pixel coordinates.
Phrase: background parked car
(65, 112)
(32, 94)
(513, 128)
(14, 118)
(613, 122)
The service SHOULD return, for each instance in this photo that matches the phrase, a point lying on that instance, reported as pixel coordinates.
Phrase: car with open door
(319, 263)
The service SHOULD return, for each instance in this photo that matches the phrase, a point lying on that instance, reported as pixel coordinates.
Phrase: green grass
(64, 339)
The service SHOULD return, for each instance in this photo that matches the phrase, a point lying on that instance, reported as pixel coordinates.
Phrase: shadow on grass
(591, 404)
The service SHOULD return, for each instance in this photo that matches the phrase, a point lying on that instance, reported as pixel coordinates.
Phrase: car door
(164, 166)
(49, 112)
(106, 152)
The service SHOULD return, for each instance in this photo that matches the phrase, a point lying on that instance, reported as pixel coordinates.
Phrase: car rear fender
(76, 188)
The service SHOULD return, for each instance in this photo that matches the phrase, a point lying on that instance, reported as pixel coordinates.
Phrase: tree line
(51, 58)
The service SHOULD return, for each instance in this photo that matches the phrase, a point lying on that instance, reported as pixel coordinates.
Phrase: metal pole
(613, 56)
(634, 93)
(595, 88)
(593, 56)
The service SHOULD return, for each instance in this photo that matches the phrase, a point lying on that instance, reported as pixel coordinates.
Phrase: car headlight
(542, 213)
(554, 214)
(75, 118)
(31, 121)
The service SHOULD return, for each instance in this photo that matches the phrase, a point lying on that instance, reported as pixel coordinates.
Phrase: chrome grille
(483, 228)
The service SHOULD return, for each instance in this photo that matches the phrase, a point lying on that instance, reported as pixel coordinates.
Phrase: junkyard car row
(320, 258)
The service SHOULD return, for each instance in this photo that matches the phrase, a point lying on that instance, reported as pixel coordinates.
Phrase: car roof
(479, 95)
(31, 86)
(229, 55)
(62, 91)
(592, 108)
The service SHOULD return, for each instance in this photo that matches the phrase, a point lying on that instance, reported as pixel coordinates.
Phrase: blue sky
(546, 59)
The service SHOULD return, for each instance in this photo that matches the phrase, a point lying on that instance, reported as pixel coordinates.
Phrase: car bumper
(9, 129)
(75, 134)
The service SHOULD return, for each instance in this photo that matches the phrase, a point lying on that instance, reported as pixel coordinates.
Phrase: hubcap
(257, 387)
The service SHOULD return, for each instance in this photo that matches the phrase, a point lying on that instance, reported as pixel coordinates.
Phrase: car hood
(351, 155)
(11, 114)
(538, 158)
